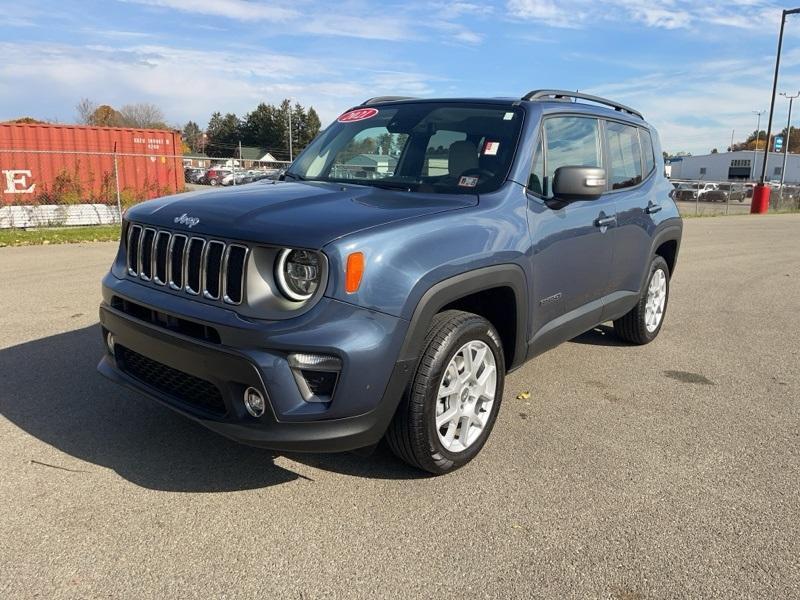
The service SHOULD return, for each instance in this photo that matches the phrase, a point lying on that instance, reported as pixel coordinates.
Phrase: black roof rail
(565, 95)
(379, 99)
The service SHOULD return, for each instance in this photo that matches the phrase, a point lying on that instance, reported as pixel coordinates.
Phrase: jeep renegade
(414, 253)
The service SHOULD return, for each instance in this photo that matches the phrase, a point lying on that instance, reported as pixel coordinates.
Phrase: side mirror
(579, 183)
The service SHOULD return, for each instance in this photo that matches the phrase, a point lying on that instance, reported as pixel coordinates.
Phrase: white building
(734, 166)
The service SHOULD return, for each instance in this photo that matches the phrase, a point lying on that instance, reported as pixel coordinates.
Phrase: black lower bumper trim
(172, 382)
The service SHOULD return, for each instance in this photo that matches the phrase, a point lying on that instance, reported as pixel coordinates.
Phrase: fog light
(110, 342)
(254, 402)
(316, 375)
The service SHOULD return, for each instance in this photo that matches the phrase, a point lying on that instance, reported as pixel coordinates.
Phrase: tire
(413, 435)
(213, 182)
(633, 327)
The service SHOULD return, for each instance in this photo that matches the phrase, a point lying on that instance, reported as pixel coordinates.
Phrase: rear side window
(647, 151)
(624, 155)
(569, 142)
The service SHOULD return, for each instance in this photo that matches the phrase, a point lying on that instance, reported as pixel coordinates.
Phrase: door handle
(652, 208)
(605, 221)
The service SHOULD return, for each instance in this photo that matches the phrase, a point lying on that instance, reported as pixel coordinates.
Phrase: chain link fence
(708, 198)
(41, 188)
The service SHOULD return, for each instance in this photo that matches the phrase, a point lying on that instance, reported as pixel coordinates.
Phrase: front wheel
(642, 324)
(446, 416)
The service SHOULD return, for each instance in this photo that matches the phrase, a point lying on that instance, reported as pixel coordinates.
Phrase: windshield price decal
(359, 114)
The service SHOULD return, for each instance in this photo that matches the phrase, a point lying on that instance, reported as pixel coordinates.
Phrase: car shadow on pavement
(50, 389)
(602, 335)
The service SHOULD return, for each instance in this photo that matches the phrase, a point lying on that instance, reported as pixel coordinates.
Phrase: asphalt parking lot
(666, 471)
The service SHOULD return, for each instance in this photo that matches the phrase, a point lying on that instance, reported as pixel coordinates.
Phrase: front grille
(196, 266)
(172, 382)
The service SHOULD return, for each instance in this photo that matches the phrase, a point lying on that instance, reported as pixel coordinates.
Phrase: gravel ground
(666, 471)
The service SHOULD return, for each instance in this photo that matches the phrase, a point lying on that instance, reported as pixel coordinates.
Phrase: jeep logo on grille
(185, 219)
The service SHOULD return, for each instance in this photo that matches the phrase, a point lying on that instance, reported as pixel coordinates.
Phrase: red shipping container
(70, 164)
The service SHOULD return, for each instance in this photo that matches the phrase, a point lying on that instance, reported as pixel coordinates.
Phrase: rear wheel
(446, 416)
(642, 324)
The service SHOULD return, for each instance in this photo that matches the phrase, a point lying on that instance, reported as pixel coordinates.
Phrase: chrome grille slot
(192, 265)
(160, 258)
(212, 267)
(134, 235)
(177, 248)
(146, 254)
(233, 269)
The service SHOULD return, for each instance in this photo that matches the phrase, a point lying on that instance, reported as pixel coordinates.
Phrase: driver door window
(568, 142)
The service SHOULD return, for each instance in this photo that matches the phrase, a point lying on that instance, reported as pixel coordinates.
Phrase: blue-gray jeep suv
(414, 253)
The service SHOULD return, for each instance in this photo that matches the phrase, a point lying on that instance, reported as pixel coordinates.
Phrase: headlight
(297, 273)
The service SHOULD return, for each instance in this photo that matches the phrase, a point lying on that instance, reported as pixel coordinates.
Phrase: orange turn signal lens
(355, 270)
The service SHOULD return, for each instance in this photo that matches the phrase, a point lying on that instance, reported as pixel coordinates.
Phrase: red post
(760, 203)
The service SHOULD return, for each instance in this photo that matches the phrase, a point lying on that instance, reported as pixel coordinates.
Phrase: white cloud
(665, 14)
(186, 84)
(242, 10)
(548, 12)
(696, 106)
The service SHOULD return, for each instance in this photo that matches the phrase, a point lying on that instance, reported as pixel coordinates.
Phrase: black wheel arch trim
(670, 231)
(462, 285)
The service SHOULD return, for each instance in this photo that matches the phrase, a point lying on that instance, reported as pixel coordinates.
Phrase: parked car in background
(726, 192)
(215, 175)
(193, 174)
(704, 189)
(243, 177)
(693, 190)
(684, 191)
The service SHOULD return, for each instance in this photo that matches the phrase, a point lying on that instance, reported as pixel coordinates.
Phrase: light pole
(760, 203)
(788, 135)
(758, 138)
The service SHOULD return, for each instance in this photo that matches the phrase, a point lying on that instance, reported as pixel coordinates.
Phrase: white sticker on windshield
(491, 148)
(508, 116)
(467, 181)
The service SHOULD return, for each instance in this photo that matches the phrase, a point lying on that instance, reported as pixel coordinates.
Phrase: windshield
(419, 147)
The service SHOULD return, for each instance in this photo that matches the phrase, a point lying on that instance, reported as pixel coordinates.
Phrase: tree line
(266, 127)
(757, 140)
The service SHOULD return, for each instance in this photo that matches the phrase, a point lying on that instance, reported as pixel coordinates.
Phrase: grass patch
(58, 235)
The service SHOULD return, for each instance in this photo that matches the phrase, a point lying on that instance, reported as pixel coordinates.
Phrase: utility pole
(733, 132)
(758, 138)
(788, 135)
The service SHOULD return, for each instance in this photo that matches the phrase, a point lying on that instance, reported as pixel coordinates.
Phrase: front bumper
(249, 353)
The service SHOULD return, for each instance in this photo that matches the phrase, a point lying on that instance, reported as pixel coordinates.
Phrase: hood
(299, 214)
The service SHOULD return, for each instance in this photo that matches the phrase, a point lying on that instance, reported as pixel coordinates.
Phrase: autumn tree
(105, 116)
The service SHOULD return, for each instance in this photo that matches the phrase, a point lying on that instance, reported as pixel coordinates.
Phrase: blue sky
(696, 69)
